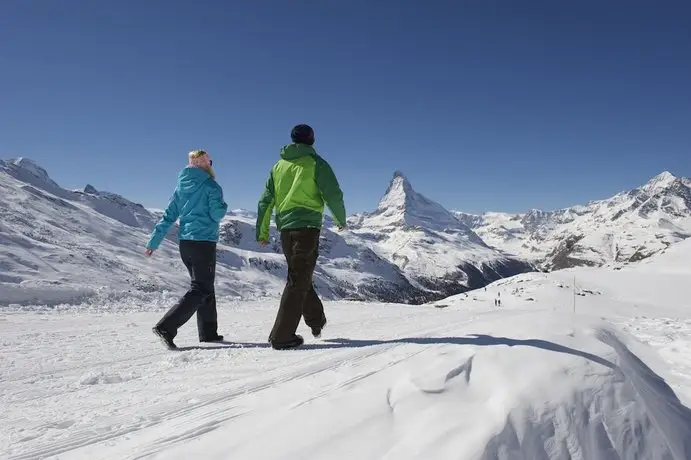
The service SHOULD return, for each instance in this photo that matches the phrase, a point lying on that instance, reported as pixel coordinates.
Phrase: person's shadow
(473, 339)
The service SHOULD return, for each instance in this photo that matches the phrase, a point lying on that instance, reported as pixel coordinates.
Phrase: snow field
(467, 381)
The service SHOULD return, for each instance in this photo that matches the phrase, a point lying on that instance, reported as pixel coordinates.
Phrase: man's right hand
(263, 243)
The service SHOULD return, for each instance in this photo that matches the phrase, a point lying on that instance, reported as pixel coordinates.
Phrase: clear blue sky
(484, 105)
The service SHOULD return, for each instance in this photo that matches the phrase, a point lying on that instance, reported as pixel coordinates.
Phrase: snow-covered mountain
(430, 246)
(627, 227)
(59, 245)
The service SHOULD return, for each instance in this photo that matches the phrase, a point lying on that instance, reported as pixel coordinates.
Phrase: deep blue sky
(484, 105)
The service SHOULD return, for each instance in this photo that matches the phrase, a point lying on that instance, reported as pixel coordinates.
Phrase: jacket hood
(190, 179)
(293, 151)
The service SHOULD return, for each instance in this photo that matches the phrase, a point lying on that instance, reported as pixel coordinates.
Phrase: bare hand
(148, 252)
(263, 243)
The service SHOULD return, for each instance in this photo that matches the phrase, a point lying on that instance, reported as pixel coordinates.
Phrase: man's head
(302, 134)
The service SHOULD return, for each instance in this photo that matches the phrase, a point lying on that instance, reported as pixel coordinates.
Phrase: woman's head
(201, 159)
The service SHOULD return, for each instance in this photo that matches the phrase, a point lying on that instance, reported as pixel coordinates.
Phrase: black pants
(200, 259)
(301, 250)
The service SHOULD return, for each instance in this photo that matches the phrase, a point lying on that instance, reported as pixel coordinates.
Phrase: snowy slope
(458, 379)
(428, 243)
(627, 227)
(57, 244)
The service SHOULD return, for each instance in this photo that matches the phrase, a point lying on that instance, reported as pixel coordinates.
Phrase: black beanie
(302, 134)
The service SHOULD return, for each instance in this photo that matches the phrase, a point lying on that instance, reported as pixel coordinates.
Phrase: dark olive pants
(200, 259)
(301, 250)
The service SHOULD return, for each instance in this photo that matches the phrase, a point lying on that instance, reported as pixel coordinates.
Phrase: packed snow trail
(386, 381)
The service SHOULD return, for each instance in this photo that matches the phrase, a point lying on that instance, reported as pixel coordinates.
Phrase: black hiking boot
(165, 337)
(216, 338)
(317, 331)
(294, 343)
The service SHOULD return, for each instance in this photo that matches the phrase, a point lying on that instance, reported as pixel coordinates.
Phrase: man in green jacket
(298, 186)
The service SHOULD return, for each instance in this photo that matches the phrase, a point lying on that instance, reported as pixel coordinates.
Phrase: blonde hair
(196, 154)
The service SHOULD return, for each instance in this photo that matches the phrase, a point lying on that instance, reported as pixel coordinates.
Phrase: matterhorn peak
(401, 204)
(398, 193)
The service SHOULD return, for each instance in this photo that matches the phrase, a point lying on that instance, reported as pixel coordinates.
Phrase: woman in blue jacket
(198, 202)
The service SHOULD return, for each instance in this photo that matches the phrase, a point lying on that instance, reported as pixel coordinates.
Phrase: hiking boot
(165, 337)
(216, 338)
(293, 343)
(317, 331)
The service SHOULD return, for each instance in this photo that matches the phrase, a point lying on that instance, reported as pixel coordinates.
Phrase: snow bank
(528, 404)
(485, 396)
(39, 292)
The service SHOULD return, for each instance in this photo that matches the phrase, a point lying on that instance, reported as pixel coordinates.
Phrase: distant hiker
(198, 202)
(298, 186)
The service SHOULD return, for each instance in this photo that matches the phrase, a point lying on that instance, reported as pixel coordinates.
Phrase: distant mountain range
(59, 245)
(627, 227)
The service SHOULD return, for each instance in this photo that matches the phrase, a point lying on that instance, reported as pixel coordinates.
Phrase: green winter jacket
(298, 186)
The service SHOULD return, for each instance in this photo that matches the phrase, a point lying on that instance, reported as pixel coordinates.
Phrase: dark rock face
(469, 277)
(230, 234)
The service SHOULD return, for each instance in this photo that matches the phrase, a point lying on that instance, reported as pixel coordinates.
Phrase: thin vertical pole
(574, 293)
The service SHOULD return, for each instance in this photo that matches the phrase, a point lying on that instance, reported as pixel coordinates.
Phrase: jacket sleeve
(331, 191)
(170, 215)
(265, 208)
(217, 206)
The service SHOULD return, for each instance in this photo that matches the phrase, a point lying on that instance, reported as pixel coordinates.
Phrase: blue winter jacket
(198, 202)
